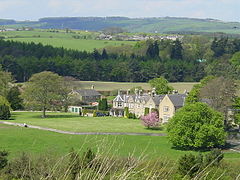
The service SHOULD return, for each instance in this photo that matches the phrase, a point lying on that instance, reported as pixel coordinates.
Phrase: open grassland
(109, 86)
(17, 140)
(61, 39)
(76, 123)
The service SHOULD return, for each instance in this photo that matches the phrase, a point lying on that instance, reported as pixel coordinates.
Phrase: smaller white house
(75, 109)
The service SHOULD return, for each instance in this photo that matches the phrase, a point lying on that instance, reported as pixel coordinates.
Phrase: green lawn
(72, 122)
(17, 140)
(109, 86)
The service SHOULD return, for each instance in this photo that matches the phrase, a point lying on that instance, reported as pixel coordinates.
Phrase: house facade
(169, 105)
(165, 105)
(86, 95)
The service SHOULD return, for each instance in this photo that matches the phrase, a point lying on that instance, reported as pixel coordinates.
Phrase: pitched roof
(88, 92)
(119, 98)
(177, 99)
(157, 99)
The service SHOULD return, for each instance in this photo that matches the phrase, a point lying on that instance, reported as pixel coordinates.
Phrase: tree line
(26, 59)
(188, 60)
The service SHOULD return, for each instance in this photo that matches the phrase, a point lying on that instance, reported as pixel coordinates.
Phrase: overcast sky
(227, 10)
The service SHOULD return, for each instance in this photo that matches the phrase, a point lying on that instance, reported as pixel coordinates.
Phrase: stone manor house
(165, 105)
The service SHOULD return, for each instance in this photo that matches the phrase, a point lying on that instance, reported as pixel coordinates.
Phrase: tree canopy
(161, 85)
(196, 126)
(43, 89)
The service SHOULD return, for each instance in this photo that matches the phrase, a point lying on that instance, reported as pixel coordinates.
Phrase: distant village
(140, 37)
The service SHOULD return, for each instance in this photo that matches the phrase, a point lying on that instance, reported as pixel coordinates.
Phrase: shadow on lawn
(155, 129)
(49, 116)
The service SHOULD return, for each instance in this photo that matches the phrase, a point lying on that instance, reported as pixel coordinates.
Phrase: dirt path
(82, 133)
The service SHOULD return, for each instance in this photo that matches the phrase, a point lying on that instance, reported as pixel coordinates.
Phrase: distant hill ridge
(147, 25)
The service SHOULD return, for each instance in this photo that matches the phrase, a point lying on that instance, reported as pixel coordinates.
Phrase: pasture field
(110, 86)
(18, 139)
(61, 39)
(76, 123)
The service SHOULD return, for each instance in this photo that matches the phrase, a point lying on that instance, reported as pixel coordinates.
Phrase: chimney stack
(153, 92)
(136, 91)
(128, 91)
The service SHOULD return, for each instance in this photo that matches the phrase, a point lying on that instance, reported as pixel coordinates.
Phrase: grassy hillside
(148, 25)
(61, 39)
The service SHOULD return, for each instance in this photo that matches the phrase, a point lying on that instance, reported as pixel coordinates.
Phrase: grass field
(75, 123)
(60, 39)
(17, 140)
(109, 86)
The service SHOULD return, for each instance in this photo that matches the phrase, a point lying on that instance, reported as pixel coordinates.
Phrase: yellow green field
(109, 86)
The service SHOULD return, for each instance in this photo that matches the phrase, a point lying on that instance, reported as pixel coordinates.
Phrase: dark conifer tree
(177, 50)
(104, 54)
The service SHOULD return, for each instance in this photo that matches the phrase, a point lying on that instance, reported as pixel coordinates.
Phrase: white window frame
(166, 109)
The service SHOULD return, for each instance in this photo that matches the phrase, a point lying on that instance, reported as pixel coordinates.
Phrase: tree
(104, 54)
(194, 95)
(151, 120)
(96, 54)
(177, 50)
(4, 109)
(236, 115)
(146, 111)
(14, 98)
(236, 59)
(196, 126)
(4, 112)
(219, 46)
(43, 90)
(103, 105)
(66, 87)
(161, 85)
(3, 159)
(190, 164)
(5, 82)
(126, 112)
(219, 93)
(153, 50)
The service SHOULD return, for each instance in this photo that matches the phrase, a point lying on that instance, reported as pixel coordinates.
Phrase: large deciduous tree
(161, 85)
(43, 89)
(196, 126)
(194, 94)
(219, 93)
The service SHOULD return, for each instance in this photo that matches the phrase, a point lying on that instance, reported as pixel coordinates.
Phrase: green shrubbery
(146, 111)
(191, 165)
